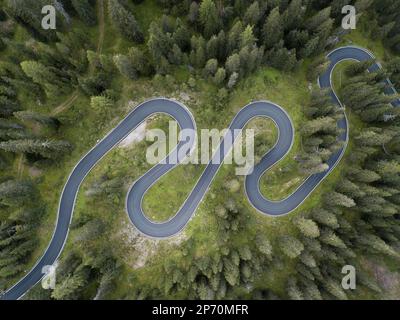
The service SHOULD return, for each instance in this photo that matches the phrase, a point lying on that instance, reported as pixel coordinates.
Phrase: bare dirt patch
(35, 172)
(135, 136)
(139, 249)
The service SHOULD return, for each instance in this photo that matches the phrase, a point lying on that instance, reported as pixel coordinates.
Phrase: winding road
(186, 121)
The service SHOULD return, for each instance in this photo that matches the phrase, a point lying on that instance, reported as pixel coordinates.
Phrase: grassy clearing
(166, 199)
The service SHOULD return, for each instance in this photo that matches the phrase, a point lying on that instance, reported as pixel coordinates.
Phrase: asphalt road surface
(185, 120)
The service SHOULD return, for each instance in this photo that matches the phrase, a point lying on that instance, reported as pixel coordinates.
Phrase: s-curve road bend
(186, 121)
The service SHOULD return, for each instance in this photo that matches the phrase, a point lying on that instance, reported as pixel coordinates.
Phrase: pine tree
(212, 47)
(324, 124)
(140, 61)
(46, 149)
(245, 253)
(10, 271)
(209, 18)
(376, 245)
(311, 291)
(307, 258)
(325, 217)
(393, 67)
(310, 47)
(311, 163)
(247, 37)
(176, 55)
(8, 107)
(2, 44)
(290, 246)
(281, 58)
(12, 134)
(294, 15)
(234, 37)
(181, 36)
(264, 246)
(29, 13)
(37, 71)
(389, 171)
(232, 65)
(124, 21)
(160, 45)
(125, 66)
(233, 80)
(293, 290)
(253, 14)
(358, 68)
(44, 120)
(90, 231)
(316, 68)
(13, 192)
(329, 237)
(318, 19)
(211, 67)
(85, 11)
(334, 288)
(193, 15)
(220, 76)
(337, 199)
(297, 39)
(372, 138)
(231, 271)
(349, 188)
(307, 227)
(69, 287)
(363, 175)
(273, 29)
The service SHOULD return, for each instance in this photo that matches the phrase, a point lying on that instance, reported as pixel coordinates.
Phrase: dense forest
(223, 43)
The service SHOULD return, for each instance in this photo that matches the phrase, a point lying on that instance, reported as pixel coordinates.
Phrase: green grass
(361, 37)
(147, 12)
(166, 197)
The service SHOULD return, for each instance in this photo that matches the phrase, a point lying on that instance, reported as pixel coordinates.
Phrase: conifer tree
(85, 11)
(209, 18)
(124, 21)
(273, 29)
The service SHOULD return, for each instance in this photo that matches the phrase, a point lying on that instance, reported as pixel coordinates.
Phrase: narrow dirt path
(66, 104)
(101, 26)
